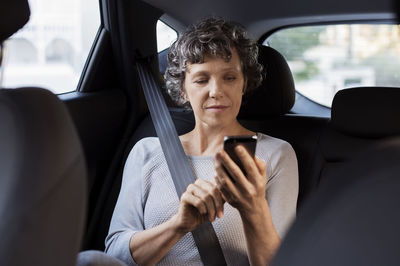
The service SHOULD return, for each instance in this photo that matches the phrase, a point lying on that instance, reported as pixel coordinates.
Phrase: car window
(165, 36)
(51, 50)
(325, 59)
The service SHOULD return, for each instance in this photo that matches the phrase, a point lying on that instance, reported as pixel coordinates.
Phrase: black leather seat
(42, 170)
(360, 118)
(353, 219)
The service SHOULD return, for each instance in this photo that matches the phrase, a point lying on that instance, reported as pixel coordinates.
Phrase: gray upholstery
(353, 219)
(42, 180)
(13, 15)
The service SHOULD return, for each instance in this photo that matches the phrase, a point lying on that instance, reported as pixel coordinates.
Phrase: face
(215, 89)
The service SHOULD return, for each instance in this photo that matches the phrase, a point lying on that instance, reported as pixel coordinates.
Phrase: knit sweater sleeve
(128, 214)
(283, 181)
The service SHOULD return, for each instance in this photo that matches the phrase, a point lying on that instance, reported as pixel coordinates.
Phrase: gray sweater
(148, 198)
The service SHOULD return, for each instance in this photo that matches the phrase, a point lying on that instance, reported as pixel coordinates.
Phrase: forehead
(215, 63)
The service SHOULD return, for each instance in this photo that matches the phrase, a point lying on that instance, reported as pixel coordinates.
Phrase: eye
(201, 81)
(230, 78)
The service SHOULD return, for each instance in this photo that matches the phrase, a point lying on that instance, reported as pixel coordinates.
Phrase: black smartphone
(249, 142)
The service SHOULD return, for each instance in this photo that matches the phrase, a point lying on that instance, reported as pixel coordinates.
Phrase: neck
(207, 141)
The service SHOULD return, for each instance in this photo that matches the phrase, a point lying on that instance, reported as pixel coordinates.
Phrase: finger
(195, 200)
(204, 190)
(261, 165)
(189, 199)
(228, 189)
(248, 162)
(218, 184)
(211, 189)
(219, 201)
(225, 163)
(221, 186)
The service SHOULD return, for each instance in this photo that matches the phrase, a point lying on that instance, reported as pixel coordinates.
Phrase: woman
(210, 67)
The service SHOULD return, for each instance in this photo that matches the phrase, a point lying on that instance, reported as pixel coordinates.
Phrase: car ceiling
(261, 16)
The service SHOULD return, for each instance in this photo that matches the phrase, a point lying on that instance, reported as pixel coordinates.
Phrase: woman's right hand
(200, 202)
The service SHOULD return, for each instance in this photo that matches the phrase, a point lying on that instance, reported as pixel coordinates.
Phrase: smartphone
(248, 142)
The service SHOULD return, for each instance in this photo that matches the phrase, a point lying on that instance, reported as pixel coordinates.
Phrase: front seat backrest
(42, 170)
(42, 180)
(353, 219)
(361, 117)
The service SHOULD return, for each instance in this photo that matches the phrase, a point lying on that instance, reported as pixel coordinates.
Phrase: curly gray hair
(215, 37)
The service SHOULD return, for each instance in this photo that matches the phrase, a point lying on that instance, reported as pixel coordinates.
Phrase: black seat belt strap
(178, 164)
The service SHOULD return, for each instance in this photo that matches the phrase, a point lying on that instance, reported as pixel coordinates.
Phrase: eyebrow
(205, 72)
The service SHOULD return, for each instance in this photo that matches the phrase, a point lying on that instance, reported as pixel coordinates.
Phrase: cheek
(237, 95)
(195, 97)
(238, 101)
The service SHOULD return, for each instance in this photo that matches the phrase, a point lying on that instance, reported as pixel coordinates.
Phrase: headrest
(367, 111)
(13, 15)
(276, 94)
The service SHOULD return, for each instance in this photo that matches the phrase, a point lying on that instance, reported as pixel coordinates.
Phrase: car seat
(360, 118)
(353, 218)
(42, 170)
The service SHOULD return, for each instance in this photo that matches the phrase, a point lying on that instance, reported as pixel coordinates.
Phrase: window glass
(165, 36)
(52, 48)
(325, 59)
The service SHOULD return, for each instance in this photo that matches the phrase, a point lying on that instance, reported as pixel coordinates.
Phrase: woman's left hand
(246, 192)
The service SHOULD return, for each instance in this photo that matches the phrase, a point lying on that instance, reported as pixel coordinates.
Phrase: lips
(216, 108)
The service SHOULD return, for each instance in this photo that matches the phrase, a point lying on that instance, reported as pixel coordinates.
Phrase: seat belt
(178, 164)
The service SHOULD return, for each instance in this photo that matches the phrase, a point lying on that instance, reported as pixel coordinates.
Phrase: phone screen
(249, 142)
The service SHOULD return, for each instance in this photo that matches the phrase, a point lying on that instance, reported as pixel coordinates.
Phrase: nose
(215, 90)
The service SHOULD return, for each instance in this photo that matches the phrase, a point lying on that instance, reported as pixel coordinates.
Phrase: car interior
(62, 156)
